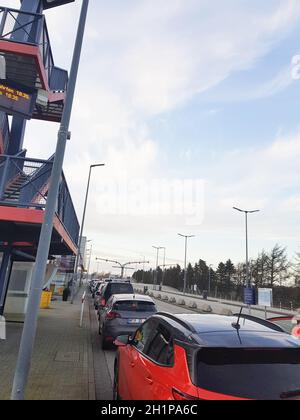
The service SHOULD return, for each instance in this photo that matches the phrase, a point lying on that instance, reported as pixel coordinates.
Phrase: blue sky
(183, 89)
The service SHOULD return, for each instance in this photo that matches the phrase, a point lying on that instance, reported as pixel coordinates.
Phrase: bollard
(82, 309)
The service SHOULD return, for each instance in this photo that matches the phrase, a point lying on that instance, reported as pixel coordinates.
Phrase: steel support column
(17, 134)
(5, 270)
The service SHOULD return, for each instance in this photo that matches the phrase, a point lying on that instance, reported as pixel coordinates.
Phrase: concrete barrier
(181, 302)
(193, 305)
(172, 300)
(158, 297)
(165, 298)
(206, 308)
(225, 312)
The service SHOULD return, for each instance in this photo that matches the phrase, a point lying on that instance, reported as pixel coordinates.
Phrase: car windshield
(263, 374)
(134, 306)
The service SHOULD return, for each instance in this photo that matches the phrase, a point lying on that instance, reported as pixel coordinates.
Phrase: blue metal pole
(4, 178)
(30, 325)
(4, 276)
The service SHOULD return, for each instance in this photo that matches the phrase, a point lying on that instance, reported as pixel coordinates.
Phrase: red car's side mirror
(122, 341)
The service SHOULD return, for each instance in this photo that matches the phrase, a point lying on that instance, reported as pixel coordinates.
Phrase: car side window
(160, 349)
(109, 303)
(143, 335)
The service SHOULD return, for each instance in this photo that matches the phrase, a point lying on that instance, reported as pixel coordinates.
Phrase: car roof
(220, 331)
(127, 297)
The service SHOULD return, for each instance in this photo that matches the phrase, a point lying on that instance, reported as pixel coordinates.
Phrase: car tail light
(112, 315)
(181, 396)
(296, 332)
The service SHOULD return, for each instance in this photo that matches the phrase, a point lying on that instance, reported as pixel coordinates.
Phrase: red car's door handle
(132, 364)
(149, 380)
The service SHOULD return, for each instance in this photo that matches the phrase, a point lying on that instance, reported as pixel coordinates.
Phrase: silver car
(123, 315)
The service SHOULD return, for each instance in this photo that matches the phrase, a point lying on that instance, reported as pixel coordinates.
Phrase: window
(134, 306)
(118, 289)
(144, 335)
(264, 374)
(160, 348)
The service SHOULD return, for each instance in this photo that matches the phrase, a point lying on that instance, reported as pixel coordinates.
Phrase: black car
(114, 287)
(207, 357)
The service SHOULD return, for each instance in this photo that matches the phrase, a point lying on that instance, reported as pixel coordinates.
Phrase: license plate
(135, 321)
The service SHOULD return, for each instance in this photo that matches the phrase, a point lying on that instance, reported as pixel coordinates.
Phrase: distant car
(98, 295)
(122, 315)
(207, 357)
(95, 288)
(113, 287)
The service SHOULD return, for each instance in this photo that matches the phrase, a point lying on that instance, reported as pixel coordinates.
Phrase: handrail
(32, 193)
(28, 28)
(18, 157)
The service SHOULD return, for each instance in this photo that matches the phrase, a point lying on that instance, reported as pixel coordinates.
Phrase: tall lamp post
(209, 279)
(164, 267)
(186, 237)
(78, 257)
(158, 248)
(122, 266)
(246, 212)
(30, 324)
(90, 257)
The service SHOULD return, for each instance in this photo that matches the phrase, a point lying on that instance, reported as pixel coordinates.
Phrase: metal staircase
(13, 190)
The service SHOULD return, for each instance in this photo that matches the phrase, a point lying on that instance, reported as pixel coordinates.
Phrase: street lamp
(209, 279)
(90, 257)
(122, 266)
(38, 274)
(186, 237)
(248, 280)
(82, 227)
(164, 271)
(158, 248)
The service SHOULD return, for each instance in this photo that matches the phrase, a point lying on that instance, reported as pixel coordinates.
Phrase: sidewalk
(62, 366)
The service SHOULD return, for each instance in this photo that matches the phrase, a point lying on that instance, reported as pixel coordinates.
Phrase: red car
(207, 357)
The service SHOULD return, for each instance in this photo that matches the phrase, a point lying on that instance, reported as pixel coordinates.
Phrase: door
(136, 377)
(152, 362)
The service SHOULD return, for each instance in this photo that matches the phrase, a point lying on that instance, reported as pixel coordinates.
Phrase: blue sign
(249, 296)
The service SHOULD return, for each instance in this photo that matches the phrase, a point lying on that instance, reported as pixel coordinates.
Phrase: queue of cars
(161, 356)
(120, 311)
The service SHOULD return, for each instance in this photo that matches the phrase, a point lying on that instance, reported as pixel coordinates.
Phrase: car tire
(116, 395)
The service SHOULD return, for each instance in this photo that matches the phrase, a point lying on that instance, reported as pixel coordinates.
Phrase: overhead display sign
(54, 3)
(16, 99)
(265, 297)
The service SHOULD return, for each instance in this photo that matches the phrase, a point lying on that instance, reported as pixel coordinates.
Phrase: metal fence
(24, 183)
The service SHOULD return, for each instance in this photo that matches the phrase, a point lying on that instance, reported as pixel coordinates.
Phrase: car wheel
(116, 396)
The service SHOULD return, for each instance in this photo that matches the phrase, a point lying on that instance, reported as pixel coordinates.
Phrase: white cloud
(144, 58)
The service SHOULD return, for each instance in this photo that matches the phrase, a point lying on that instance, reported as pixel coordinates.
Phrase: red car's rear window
(265, 374)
